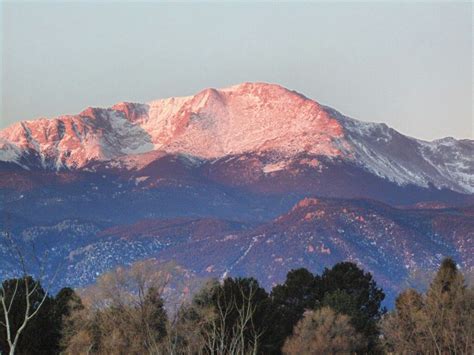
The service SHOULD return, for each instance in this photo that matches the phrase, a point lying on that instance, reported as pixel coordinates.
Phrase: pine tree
(350, 290)
(289, 302)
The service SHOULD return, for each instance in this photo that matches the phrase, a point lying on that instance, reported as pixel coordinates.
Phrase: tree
(289, 301)
(402, 328)
(345, 288)
(323, 332)
(81, 333)
(449, 311)
(24, 305)
(349, 290)
(439, 322)
(47, 322)
(186, 333)
(25, 292)
(240, 312)
(231, 318)
(124, 313)
(153, 318)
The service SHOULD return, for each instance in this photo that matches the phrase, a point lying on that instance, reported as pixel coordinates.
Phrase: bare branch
(30, 290)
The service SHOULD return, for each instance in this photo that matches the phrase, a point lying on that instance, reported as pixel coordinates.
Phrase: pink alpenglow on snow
(250, 118)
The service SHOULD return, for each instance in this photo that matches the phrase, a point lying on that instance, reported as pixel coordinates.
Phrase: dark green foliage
(239, 289)
(65, 302)
(341, 302)
(345, 288)
(154, 316)
(43, 333)
(289, 301)
(348, 290)
(30, 342)
(230, 297)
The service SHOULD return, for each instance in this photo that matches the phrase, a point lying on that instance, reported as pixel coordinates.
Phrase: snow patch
(250, 118)
(270, 168)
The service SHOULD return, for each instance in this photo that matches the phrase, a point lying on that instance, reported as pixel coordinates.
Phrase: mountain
(392, 243)
(254, 180)
(251, 118)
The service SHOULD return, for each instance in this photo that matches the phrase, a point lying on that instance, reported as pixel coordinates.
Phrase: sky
(406, 64)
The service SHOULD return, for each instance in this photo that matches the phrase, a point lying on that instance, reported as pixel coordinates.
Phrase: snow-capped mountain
(251, 118)
(250, 180)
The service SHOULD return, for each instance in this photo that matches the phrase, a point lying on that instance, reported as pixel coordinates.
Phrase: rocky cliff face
(251, 118)
(249, 180)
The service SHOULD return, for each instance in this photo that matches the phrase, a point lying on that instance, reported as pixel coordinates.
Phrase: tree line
(337, 312)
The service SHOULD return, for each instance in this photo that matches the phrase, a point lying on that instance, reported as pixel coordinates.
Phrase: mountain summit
(254, 179)
(250, 118)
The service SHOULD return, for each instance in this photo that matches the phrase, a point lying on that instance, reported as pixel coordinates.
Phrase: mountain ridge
(392, 243)
(250, 180)
(255, 118)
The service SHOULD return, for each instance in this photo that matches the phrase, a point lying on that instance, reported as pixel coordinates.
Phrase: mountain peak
(249, 118)
(255, 87)
(265, 91)
(242, 118)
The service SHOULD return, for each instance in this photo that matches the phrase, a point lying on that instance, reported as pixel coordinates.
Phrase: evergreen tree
(65, 302)
(43, 333)
(298, 293)
(154, 318)
(349, 290)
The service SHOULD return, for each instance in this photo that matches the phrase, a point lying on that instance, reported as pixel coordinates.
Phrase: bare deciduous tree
(323, 332)
(218, 322)
(439, 322)
(402, 327)
(124, 313)
(242, 338)
(29, 286)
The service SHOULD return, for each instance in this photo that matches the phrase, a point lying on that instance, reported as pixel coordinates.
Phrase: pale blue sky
(409, 65)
